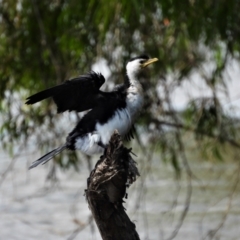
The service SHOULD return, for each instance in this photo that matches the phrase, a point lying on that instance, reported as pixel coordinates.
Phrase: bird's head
(137, 64)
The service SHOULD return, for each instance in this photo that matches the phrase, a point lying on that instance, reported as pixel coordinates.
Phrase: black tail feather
(44, 159)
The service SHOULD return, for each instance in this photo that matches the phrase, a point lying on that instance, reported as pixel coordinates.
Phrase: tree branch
(107, 188)
(205, 133)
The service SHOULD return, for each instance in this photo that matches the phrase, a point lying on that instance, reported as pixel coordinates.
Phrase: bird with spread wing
(108, 111)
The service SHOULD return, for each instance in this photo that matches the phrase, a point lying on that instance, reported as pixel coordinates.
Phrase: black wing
(78, 94)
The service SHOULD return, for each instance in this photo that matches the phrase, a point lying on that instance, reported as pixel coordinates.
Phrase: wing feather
(78, 94)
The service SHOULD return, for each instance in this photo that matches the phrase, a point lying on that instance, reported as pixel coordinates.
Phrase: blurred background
(187, 138)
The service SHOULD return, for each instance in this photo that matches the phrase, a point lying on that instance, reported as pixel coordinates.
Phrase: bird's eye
(142, 61)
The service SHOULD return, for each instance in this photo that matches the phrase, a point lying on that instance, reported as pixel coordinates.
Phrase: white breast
(120, 121)
(134, 101)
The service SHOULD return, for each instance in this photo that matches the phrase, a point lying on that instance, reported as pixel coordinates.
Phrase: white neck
(133, 70)
(135, 91)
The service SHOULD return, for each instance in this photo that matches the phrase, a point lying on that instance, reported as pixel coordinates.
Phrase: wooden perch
(106, 189)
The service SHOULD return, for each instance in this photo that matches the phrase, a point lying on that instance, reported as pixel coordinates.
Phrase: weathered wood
(106, 189)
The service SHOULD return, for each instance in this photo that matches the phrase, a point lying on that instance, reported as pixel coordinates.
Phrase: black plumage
(78, 94)
(107, 110)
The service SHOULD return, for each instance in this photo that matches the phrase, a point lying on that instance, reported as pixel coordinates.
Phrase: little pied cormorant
(109, 110)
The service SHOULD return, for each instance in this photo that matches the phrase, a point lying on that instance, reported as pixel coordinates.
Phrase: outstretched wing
(78, 94)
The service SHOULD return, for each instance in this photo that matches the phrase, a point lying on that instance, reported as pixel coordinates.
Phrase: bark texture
(106, 189)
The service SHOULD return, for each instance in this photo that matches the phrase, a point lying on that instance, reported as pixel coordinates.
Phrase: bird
(107, 111)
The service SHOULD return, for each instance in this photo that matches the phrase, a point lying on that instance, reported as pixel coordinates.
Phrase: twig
(208, 134)
(11, 164)
(45, 40)
(79, 229)
(211, 234)
(187, 169)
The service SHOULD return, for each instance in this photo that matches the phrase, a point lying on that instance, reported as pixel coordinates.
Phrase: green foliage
(44, 42)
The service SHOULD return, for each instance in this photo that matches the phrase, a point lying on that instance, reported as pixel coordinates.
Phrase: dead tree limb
(106, 189)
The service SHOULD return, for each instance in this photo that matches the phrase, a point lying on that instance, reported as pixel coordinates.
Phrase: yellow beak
(149, 61)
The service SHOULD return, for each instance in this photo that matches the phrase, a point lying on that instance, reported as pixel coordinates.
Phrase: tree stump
(106, 189)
